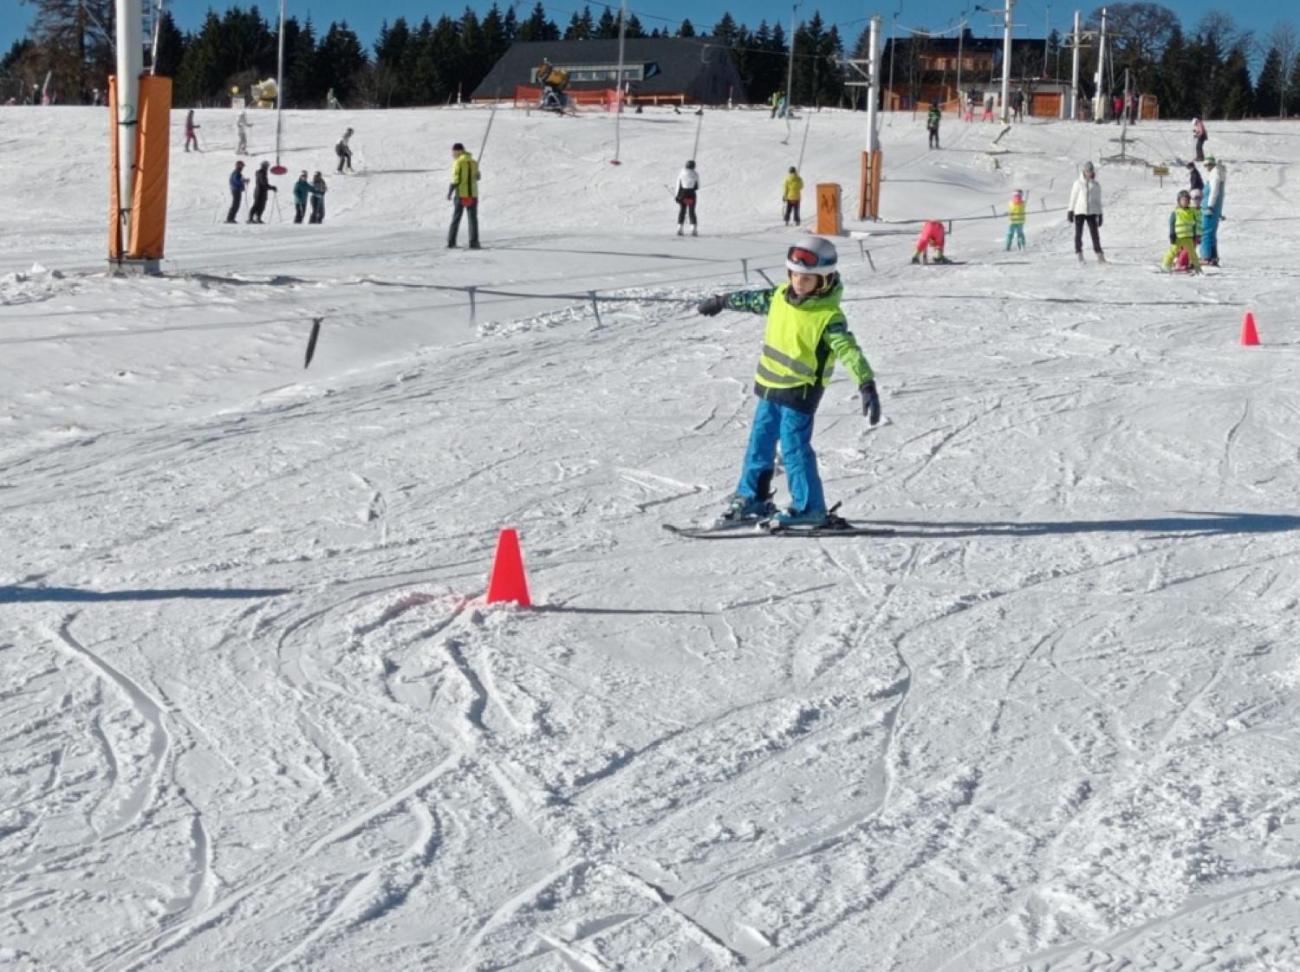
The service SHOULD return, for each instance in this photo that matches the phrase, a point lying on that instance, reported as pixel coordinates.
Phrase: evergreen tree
(634, 28)
(724, 31)
(1268, 88)
(687, 29)
(581, 26)
(1173, 85)
(340, 59)
(1291, 103)
(301, 78)
(199, 81)
(418, 65)
(475, 59)
(388, 83)
(1237, 93)
(537, 27)
(445, 52)
(171, 46)
(607, 26)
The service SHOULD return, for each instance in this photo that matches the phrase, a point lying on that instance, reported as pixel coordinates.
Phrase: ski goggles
(804, 257)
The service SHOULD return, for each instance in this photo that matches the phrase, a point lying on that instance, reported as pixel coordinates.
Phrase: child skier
(1184, 233)
(688, 184)
(931, 235)
(932, 118)
(806, 333)
(1016, 213)
(791, 194)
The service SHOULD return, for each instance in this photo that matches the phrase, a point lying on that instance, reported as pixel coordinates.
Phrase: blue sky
(1032, 16)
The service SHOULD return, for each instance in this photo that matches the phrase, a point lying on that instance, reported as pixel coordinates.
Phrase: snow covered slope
(256, 714)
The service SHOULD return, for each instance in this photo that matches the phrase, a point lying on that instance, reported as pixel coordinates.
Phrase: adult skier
(344, 151)
(1184, 234)
(1085, 208)
(261, 186)
(463, 191)
(237, 186)
(301, 193)
(190, 129)
(688, 184)
(932, 118)
(792, 195)
(242, 125)
(1214, 192)
(806, 333)
(318, 190)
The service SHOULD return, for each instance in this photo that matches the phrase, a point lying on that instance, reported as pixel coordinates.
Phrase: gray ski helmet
(1088, 168)
(812, 254)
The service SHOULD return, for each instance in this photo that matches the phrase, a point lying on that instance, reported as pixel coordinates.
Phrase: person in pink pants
(931, 235)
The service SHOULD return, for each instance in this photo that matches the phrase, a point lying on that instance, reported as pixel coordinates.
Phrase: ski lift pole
(618, 90)
(279, 169)
(487, 131)
(807, 122)
(695, 149)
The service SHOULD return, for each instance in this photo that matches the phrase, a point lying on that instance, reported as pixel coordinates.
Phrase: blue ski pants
(775, 423)
(1210, 235)
(1016, 233)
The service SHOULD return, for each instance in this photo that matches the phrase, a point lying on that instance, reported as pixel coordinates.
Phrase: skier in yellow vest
(806, 334)
(1184, 233)
(1016, 213)
(791, 194)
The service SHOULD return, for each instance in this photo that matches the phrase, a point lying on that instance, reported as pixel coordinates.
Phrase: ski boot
(745, 511)
(680, 229)
(801, 518)
(695, 231)
(916, 258)
(942, 259)
(1101, 257)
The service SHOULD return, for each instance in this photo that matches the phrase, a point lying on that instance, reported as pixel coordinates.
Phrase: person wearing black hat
(344, 151)
(261, 186)
(237, 186)
(688, 184)
(1194, 178)
(463, 192)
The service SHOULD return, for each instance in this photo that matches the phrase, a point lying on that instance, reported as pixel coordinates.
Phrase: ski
(844, 528)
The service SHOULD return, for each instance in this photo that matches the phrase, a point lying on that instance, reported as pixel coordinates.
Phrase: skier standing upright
(1214, 193)
(237, 186)
(1199, 136)
(301, 193)
(1194, 180)
(791, 195)
(1085, 208)
(806, 334)
(688, 184)
(242, 125)
(463, 192)
(318, 190)
(932, 119)
(344, 151)
(261, 187)
(190, 129)
(1016, 215)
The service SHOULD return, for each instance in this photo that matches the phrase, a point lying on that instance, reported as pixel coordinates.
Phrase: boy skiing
(791, 194)
(932, 118)
(806, 333)
(1016, 214)
(1184, 234)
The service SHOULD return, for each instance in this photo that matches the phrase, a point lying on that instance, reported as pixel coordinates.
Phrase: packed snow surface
(257, 715)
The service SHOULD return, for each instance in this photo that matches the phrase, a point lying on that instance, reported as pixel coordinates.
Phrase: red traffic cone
(1249, 336)
(508, 581)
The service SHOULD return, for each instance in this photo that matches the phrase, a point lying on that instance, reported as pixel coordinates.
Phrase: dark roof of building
(696, 66)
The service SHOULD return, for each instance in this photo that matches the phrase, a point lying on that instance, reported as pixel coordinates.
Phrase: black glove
(870, 401)
(1069, 217)
(711, 306)
(1173, 238)
(1099, 219)
(451, 191)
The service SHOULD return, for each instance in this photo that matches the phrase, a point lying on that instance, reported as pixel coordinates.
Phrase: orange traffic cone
(508, 581)
(1249, 336)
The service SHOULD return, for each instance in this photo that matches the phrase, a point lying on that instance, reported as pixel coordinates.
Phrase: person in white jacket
(1214, 192)
(688, 183)
(1085, 207)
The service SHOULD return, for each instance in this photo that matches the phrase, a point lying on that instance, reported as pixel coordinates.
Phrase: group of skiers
(1194, 223)
(305, 192)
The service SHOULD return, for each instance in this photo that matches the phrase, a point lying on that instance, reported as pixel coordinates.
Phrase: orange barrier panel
(830, 220)
(152, 154)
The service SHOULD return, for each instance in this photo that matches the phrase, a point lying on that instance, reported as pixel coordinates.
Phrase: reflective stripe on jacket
(1016, 210)
(800, 345)
(1184, 223)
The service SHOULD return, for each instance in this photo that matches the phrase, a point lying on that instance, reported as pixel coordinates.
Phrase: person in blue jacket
(237, 186)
